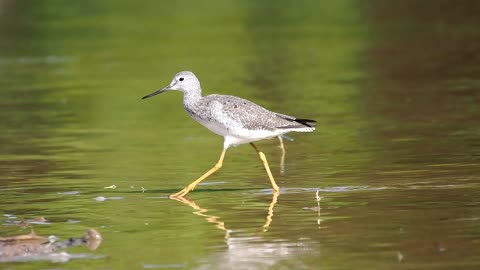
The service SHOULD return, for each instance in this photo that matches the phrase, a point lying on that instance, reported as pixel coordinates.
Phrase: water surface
(390, 179)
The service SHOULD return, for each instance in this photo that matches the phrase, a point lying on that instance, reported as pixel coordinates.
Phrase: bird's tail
(297, 124)
(300, 125)
(306, 122)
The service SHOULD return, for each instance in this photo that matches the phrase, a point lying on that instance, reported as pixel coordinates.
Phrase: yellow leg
(281, 144)
(190, 187)
(265, 164)
(282, 159)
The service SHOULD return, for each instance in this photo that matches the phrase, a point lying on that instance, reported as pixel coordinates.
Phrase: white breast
(233, 131)
(235, 135)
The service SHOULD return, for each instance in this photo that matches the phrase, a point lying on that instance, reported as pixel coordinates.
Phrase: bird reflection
(270, 211)
(199, 211)
(318, 198)
(252, 251)
(203, 213)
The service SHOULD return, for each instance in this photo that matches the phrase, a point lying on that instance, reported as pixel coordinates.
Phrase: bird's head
(184, 81)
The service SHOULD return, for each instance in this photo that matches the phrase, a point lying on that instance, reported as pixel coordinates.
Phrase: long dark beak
(157, 92)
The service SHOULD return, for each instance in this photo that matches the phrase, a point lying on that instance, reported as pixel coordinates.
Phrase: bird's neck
(191, 98)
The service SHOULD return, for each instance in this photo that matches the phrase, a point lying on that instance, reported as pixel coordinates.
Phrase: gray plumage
(236, 119)
(248, 114)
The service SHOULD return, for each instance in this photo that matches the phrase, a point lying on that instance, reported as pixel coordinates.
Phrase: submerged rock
(32, 247)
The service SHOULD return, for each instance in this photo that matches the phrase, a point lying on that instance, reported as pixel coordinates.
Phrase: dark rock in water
(31, 247)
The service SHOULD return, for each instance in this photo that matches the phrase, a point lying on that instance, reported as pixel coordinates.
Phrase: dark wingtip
(306, 122)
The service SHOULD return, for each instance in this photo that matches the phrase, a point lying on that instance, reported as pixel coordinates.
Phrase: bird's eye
(181, 79)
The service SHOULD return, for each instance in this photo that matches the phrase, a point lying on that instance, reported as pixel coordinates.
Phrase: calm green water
(395, 88)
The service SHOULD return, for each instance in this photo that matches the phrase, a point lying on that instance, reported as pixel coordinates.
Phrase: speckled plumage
(236, 119)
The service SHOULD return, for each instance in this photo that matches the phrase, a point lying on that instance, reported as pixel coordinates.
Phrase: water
(395, 160)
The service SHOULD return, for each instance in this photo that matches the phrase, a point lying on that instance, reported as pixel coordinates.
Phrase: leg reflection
(199, 211)
(203, 213)
(318, 198)
(270, 211)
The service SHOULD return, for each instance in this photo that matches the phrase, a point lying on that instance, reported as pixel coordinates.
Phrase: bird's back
(232, 113)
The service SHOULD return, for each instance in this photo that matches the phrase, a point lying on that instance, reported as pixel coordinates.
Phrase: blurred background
(394, 86)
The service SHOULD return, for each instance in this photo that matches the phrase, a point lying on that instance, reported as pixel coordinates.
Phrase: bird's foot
(182, 192)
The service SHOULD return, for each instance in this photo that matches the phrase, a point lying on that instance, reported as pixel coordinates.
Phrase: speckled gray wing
(250, 115)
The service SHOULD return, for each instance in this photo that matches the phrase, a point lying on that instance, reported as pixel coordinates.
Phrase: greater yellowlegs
(238, 120)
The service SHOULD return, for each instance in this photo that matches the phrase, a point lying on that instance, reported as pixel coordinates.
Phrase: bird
(237, 120)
